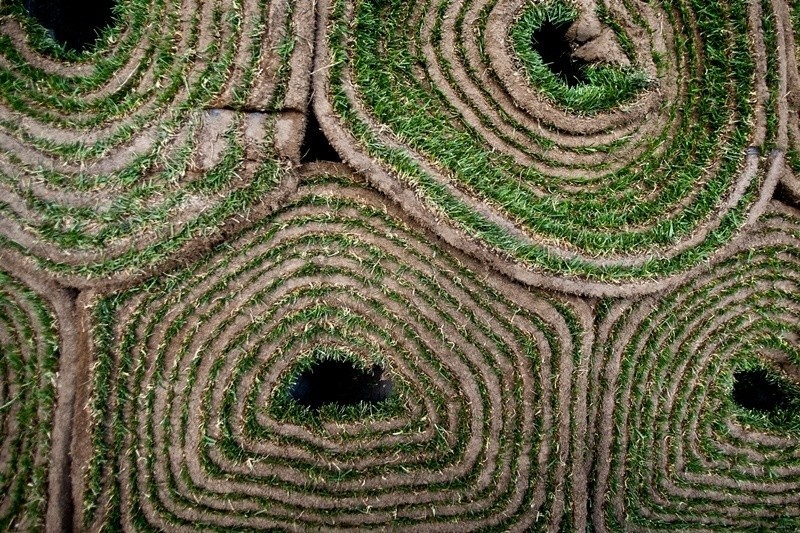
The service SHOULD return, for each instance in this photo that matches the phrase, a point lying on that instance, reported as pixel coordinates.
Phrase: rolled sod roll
(168, 130)
(595, 147)
(194, 419)
(695, 395)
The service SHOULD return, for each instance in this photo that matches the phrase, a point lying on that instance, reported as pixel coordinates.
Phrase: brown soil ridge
(788, 42)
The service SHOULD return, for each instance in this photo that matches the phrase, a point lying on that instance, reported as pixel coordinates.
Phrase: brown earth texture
(430, 265)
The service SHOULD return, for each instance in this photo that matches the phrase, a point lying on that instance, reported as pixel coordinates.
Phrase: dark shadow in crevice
(76, 24)
(783, 195)
(316, 146)
(550, 41)
(341, 383)
(72, 293)
(758, 391)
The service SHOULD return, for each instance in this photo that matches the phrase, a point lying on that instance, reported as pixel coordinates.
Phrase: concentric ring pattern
(188, 367)
(676, 450)
(28, 368)
(449, 106)
(161, 133)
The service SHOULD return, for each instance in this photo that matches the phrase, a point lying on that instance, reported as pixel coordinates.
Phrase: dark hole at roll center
(341, 383)
(754, 389)
(551, 43)
(76, 24)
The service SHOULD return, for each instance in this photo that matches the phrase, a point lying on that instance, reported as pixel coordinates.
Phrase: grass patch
(636, 210)
(211, 354)
(596, 87)
(29, 351)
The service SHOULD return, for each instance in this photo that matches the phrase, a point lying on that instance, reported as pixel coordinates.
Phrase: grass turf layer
(103, 155)
(189, 370)
(164, 149)
(418, 110)
(678, 449)
(28, 371)
(604, 87)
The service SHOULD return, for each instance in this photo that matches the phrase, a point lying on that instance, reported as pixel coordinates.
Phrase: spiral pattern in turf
(190, 367)
(167, 129)
(678, 447)
(450, 106)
